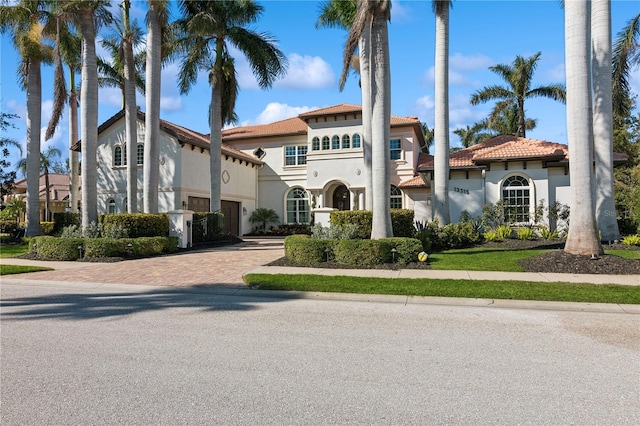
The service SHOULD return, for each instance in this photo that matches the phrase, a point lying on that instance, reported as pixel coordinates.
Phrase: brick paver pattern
(220, 266)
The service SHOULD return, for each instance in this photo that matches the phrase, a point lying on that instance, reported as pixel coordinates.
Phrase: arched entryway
(341, 198)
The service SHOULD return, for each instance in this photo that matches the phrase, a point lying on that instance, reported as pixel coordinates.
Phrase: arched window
(140, 154)
(325, 142)
(117, 156)
(356, 141)
(516, 199)
(111, 206)
(396, 197)
(335, 142)
(297, 206)
(315, 144)
(346, 142)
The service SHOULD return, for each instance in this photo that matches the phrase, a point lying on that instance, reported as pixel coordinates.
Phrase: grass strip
(482, 259)
(627, 254)
(19, 269)
(514, 290)
(13, 250)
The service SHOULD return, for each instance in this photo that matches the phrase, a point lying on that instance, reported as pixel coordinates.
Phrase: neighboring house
(316, 161)
(58, 193)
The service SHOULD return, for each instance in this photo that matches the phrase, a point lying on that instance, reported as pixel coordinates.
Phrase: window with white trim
(315, 144)
(335, 142)
(396, 198)
(346, 142)
(395, 149)
(111, 206)
(117, 156)
(140, 154)
(325, 143)
(356, 141)
(295, 155)
(297, 206)
(516, 198)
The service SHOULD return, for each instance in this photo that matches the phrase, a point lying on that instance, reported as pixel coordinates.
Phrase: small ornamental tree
(264, 216)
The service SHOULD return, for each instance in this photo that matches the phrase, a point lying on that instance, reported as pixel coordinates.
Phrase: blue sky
(482, 33)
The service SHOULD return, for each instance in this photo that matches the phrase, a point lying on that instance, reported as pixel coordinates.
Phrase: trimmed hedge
(138, 224)
(401, 221)
(53, 248)
(46, 228)
(303, 250)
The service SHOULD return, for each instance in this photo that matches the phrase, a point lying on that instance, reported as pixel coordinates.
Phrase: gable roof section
(58, 187)
(182, 134)
(506, 148)
(298, 125)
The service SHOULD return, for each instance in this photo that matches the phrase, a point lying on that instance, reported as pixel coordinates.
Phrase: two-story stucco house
(315, 162)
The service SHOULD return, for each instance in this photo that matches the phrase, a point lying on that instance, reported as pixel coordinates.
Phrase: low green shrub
(525, 233)
(63, 220)
(631, 240)
(362, 252)
(454, 235)
(47, 228)
(546, 233)
(407, 249)
(52, 248)
(490, 235)
(504, 232)
(139, 224)
(429, 235)
(401, 221)
(8, 226)
(303, 250)
(104, 247)
(347, 231)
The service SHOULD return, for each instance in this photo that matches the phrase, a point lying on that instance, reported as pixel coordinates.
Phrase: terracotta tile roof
(415, 182)
(182, 134)
(290, 126)
(58, 187)
(506, 148)
(298, 125)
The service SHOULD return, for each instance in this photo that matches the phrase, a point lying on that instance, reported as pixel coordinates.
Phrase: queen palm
(87, 16)
(441, 128)
(518, 77)
(626, 57)
(582, 238)
(25, 20)
(46, 162)
(373, 16)
(157, 31)
(206, 28)
(603, 119)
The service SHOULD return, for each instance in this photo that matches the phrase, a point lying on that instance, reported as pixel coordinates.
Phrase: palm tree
(626, 56)
(87, 16)
(428, 137)
(7, 177)
(372, 16)
(264, 216)
(505, 123)
(206, 28)
(471, 135)
(441, 129)
(582, 238)
(518, 78)
(26, 22)
(157, 26)
(46, 163)
(603, 119)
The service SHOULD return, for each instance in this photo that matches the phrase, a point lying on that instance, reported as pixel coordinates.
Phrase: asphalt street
(142, 355)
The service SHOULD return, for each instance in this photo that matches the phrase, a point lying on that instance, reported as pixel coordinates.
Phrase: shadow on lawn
(106, 305)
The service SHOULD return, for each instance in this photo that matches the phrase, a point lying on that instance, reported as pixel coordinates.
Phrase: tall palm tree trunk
(74, 178)
(603, 119)
(215, 140)
(441, 129)
(380, 127)
(582, 238)
(130, 113)
(365, 83)
(151, 167)
(47, 196)
(34, 102)
(89, 118)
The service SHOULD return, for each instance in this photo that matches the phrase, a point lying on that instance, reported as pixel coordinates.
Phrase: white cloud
(276, 111)
(111, 96)
(170, 103)
(307, 72)
(400, 13)
(424, 108)
(461, 62)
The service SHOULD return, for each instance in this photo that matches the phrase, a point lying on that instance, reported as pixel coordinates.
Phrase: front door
(342, 198)
(231, 211)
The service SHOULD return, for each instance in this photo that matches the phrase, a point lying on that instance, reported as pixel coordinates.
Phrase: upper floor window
(117, 156)
(325, 142)
(396, 197)
(315, 144)
(140, 154)
(295, 155)
(516, 199)
(335, 142)
(356, 141)
(346, 142)
(396, 149)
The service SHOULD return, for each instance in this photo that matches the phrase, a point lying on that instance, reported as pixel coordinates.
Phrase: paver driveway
(219, 266)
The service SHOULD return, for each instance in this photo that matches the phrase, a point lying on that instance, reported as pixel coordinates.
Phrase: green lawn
(518, 290)
(13, 250)
(627, 254)
(15, 269)
(482, 259)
